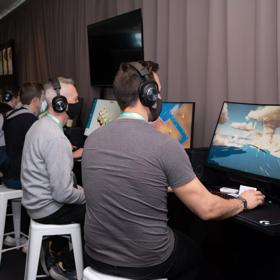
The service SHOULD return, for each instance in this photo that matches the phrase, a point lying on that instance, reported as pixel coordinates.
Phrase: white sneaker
(11, 241)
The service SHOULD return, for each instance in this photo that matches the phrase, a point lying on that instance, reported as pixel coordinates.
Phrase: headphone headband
(59, 103)
(56, 85)
(148, 89)
(142, 71)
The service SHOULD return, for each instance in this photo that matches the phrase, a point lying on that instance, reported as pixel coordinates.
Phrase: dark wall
(51, 39)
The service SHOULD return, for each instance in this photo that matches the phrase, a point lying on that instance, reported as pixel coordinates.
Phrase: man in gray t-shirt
(127, 167)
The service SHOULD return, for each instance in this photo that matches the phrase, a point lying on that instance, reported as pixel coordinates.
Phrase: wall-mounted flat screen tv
(112, 41)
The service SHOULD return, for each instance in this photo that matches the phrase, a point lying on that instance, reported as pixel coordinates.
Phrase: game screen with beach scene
(176, 119)
(247, 139)
(102, 112)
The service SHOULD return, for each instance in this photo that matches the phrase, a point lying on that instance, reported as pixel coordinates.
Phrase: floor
(13, 262)
(12, 266)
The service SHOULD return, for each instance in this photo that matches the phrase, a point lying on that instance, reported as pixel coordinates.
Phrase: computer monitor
(102, 111)
(246, 142)
(176, 119)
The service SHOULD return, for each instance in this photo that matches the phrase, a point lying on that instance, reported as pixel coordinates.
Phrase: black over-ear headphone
(59, 102)
(148, 89)
(7, 96)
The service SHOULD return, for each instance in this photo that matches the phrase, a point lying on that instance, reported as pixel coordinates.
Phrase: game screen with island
(176, 120)
(247, 139)
(102, 112)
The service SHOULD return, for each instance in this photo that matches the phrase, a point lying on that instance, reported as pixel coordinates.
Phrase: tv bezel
(240, 176)
(104, 22)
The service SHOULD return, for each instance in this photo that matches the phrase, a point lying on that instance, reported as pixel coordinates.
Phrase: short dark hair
(30, 90)
(127, 82)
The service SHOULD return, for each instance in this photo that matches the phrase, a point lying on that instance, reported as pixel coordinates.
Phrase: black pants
(69, 213)
(24, 221)
(183, 264)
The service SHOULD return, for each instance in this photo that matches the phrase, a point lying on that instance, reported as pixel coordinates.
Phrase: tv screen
(247, 140)
(176, 119)
(112, 41)
(102, 112)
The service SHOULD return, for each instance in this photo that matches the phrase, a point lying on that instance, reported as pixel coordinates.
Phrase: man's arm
(209, 206)
(77, 153)
(59, 164)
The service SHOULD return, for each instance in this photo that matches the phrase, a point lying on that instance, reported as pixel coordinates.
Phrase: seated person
(17, 123)
(49, 194)
(127, 167)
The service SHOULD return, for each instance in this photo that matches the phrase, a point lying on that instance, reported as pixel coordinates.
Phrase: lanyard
(132, 115)
(55, 119)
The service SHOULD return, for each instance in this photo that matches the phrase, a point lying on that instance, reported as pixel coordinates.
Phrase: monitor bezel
(245, 177)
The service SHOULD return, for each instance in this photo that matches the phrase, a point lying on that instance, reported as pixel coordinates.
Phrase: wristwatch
(244, 201)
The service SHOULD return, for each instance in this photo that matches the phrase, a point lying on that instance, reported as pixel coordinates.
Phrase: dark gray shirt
(127, 166)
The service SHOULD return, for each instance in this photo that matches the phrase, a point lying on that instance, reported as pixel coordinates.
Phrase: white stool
(5, 195)
(91, 274)
(36, 233)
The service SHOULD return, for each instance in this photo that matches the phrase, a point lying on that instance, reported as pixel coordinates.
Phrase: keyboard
(267, 214)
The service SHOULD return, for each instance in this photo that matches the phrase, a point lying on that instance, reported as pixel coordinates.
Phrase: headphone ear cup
(7, 96)
(148, 93)
(59, 104)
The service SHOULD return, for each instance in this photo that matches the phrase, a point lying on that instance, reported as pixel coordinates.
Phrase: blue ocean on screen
(247, 158)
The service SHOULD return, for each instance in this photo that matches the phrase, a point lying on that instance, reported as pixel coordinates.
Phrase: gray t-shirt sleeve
(176, 164)
(59, 163)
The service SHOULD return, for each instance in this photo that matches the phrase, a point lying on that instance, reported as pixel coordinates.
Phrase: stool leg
(33, 255)
(16, 208)
(3, 209)
(78, 255)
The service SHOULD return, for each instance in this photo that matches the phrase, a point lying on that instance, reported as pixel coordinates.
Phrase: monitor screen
(176, 119)
(247, 140)
(112, 41)
(102, 111)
